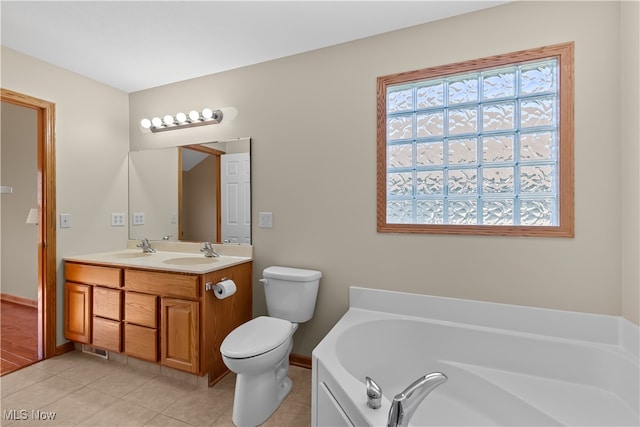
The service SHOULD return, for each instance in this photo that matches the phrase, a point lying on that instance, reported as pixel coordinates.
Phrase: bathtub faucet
(374, 394)
(406, 403)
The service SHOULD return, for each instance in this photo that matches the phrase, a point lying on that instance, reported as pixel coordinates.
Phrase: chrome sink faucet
(207, 248)
(404, 405)
(146, 246)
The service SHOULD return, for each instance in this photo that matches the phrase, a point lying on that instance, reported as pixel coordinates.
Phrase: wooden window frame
(564, 53)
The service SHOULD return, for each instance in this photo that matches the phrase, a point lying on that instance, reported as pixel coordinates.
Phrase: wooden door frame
(47, 272)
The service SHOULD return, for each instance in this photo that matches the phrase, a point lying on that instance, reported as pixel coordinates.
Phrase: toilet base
(258, 396)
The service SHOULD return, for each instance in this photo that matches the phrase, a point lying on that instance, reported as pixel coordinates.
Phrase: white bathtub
(507, 365)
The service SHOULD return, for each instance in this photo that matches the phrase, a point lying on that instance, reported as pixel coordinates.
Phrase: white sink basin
(190, 261)
(129, 255)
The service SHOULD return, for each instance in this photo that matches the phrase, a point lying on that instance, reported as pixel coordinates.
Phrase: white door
(235, 180)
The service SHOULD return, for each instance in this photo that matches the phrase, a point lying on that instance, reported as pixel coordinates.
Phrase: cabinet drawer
(107, 303)
(107, 334)
(163, 284)
(93, 274)
(141, 342)
(141, 309)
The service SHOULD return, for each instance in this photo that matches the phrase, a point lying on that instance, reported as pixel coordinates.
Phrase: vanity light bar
(182, 120)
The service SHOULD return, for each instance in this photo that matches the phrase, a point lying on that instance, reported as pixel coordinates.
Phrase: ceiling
(136, 45)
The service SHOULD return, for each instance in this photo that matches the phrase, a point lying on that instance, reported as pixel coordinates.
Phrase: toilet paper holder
(210, 286)
(223, 289)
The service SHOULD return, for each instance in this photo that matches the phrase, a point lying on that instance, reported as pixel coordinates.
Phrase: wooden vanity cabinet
(156, 315)
(92, 309)
(177, 337)
(192, 322)
(219, 317)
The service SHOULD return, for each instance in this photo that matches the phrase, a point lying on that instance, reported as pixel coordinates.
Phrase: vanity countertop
(170, 256)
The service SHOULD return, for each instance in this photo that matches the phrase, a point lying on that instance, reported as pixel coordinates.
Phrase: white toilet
(258, 351)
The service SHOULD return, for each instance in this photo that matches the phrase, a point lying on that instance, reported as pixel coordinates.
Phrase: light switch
(266, 219)
(117, 219)
(65, 220)
(138, 218)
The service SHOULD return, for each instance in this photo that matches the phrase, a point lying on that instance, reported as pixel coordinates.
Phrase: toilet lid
(255, 337)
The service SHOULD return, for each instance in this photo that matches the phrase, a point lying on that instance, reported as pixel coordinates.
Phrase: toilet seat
(255, 337)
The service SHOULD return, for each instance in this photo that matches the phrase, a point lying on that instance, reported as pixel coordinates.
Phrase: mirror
(196, 193)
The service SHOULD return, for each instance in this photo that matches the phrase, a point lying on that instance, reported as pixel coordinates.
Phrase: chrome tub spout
(405, 404)
(374, 394)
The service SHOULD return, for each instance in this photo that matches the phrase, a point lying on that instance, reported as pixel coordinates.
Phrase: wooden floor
(19, 341)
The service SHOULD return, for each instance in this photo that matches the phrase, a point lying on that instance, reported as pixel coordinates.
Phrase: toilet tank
(291, 292)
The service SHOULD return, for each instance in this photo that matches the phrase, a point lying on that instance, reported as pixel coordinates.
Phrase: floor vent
(95, 351)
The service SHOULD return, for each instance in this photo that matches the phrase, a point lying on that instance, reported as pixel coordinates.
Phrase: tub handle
(374, 394)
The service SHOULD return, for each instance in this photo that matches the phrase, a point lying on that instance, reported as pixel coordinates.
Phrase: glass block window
(484, 146)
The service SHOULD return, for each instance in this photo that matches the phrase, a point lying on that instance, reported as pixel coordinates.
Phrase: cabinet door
(180, 345)
(77, 312)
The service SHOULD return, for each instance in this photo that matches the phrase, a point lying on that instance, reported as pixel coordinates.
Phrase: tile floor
(84, 390)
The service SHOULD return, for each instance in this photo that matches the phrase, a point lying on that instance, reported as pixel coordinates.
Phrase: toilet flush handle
(264, 281)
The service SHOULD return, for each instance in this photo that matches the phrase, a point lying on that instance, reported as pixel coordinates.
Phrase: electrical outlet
(138, 218)
(173, 218)
(266, 220)
(65, 220)
(117, 219)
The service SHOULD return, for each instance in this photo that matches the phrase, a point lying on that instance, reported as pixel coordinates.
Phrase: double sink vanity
(159, 307)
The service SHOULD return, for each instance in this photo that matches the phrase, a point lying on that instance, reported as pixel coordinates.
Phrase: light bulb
(181, 118)
(207, 113)
(156, 121)
(145, 123)
(194, 116)
(168, 120)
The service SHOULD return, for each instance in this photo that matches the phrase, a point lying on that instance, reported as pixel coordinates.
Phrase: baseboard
(19, 300)
(299, 360)
(65, 348)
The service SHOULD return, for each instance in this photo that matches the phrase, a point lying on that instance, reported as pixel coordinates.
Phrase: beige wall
(312, 119)
(91, 155)
(312, 122)
(19, 170)
(153, 190)
(630, 157)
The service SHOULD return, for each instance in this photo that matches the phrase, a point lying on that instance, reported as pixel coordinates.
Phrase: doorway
(198, 201)
(45, 213)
